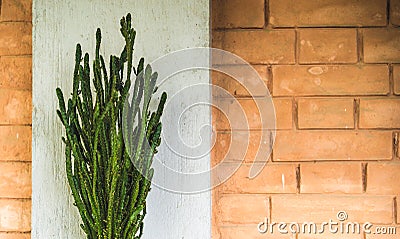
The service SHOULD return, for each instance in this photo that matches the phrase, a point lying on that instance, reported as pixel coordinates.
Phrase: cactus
(110, 140)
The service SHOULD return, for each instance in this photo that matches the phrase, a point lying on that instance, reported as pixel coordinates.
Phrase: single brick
(238, 14)
(250, 232)
(15, 215)
(274, 178)
(15, 180)
(258, 46)
(252, 86)
(289, 13)
(238, 145)
(322, 208)
(16, 38)
(395, 12)
(325, 113)
(327, 46)
(330, 80)
(16, 73)
(14, 235)
(15, 143)
(331, 178)
(379, 113)
(259, 112)
(15, 106)
(383, 178)
(396, 79)
(242, 209)
(382, 45)
(332, 145)
(16, 10)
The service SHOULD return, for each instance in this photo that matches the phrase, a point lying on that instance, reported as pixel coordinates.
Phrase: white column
(162, 27)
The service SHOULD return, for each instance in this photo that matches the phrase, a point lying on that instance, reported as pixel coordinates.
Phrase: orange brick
(395, 12)
(383, 232)
(381, 45)
(15, 215)
(332, 145)
(258, 46)
(15, 180)
(14, 235)
(238, 14)
(15, 106)
(242, 209)
(331, 178)
(325, 113)
(16, 73)
(396, 79)
(239, 145)
(383, 178)
(274, 178)
(286, 13)
(16, 10)
(330, 80)
(15, 143)
(16, 38)
(250, 232)
(327, 234)
(257, 86)
(328, 45)
(379, 113)
(259, 113)
(322, 208)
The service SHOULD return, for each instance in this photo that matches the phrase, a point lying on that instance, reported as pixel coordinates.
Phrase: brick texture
(332, 145)
(243, 209)
(244, 86)
(380, 113)
(15, 215)
(395, 12)
(385, 178)
(238, 145)
(278, 46)
(16, 10)
(258, 112)
(238, 14)
(14, 235)
(16, 38)
(15, 118)
(16, 73)
(327, 46)
(381, 45)
(331, 178)
(15, 180)
(325, 113)
(274, 178)
(333, 70)
(330, 80)
(15, 106)
(289, 13)
(15, 143)
(321, 208)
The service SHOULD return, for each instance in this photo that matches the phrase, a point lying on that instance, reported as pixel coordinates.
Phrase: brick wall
(15, 118)
(333, 69)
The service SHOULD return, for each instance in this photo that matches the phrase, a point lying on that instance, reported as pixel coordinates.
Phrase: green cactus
(110, 144)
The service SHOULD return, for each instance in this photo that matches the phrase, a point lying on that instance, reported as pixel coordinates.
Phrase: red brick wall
(15, 118)
(333, 69)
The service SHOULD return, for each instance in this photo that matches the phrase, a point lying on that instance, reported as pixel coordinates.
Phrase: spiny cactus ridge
(110, 144)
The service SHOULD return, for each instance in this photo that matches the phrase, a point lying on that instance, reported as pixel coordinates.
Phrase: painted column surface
(162, 27)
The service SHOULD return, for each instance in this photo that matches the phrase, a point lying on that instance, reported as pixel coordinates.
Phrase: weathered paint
(162, 26)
